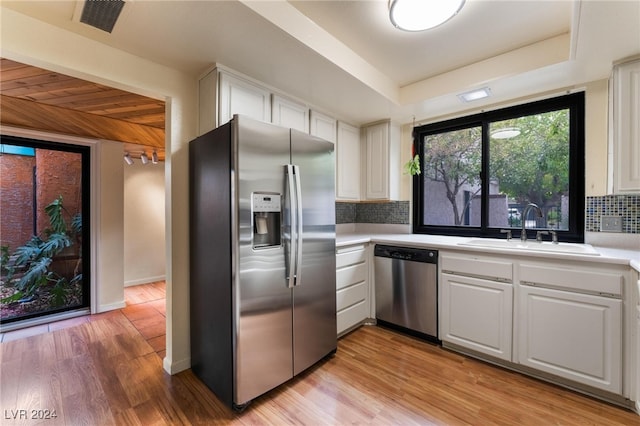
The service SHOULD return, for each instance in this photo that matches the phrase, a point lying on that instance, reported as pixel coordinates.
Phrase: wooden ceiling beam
(33, 115)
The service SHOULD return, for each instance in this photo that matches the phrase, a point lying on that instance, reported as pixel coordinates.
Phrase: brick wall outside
(57, 173)
(16, 200)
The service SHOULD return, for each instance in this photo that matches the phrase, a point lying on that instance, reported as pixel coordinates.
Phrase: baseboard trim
(111, 306)
(146, 280)
(175, 367)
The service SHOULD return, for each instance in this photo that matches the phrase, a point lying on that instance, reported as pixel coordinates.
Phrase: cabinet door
(348, 163)
(287, 113)
(575, 336)
(323, 126)
(239, 96)
(477, 314)
(626, 127)
(377, 164)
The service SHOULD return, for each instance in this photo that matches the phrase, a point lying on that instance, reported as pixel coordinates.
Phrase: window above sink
(478, 173)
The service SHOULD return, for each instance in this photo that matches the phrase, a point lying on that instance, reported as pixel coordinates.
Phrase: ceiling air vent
(101, 14)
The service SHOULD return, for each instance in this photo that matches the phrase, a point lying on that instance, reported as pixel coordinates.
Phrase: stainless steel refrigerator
(262, 254)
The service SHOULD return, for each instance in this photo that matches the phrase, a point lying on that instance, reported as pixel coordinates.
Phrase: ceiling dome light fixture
(420, 15)
(506, 133)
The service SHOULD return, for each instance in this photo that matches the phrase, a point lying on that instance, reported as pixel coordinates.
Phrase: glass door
(44, 228)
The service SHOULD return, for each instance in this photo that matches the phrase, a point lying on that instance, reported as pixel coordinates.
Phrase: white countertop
(606, 254)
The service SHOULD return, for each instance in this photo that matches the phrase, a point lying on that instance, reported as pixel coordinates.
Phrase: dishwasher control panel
(407, 253)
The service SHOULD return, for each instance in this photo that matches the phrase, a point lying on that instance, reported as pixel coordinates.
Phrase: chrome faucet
(525, 213)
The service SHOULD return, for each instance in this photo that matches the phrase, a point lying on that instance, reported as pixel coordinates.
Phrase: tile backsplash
(394, 212)
(625, 206)
(399, 212)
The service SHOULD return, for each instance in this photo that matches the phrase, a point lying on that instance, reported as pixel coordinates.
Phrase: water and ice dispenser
(266, 211)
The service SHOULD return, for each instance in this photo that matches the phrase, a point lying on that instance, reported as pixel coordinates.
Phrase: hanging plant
(412, 167)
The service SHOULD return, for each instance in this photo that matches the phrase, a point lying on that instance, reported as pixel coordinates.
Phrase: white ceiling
(346, 58)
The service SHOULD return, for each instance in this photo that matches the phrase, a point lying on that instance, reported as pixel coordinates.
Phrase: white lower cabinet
(571, 335)
(352, 287)
(560, 318)
(476, 314)
(476, 304)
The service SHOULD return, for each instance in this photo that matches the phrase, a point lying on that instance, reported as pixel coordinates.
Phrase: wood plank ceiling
(38, 99)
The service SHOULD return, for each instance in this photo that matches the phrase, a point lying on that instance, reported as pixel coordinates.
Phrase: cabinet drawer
(348, 296)
(350, 256)
(351, 275)
(573, 279)
(352, 316)
(477, 267)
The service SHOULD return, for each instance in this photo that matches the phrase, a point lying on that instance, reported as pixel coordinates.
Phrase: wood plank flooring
(105, 372)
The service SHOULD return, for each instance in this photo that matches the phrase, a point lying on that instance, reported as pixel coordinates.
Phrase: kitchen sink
(569, 248)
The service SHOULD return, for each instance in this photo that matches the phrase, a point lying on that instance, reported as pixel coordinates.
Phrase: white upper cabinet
(382, 176)
(348, 163)
(240, 96)
(323, 126)
(287, 113)
(626, 127)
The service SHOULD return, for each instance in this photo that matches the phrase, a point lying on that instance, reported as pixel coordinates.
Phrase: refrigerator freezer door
(261, 298)
(314, 296)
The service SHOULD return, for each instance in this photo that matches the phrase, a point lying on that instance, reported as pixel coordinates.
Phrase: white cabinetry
(240, 96)
(323, 126)
(626, 127)
(568, 328)
(477, 304)
(352, 287)
(382, 165)
(287, 113)
(348, 163)
(636, 356)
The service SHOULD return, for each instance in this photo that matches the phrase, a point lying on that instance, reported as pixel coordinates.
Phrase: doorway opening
(44, 231)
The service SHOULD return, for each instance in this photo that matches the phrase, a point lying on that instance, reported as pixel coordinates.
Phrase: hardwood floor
(105, 371)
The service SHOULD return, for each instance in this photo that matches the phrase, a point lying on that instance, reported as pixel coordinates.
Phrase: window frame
(574, 102)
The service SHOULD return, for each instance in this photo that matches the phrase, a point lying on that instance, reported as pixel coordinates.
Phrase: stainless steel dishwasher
(407, 289)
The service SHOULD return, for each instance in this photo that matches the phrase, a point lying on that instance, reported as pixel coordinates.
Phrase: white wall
(109, 274)
(36, 43)
(144, 223)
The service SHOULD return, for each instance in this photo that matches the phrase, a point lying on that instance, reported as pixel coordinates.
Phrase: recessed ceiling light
(474, 95)
(420, 15)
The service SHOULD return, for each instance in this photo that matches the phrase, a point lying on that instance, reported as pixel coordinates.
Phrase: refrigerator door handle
(298, 235)
(293, 216)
